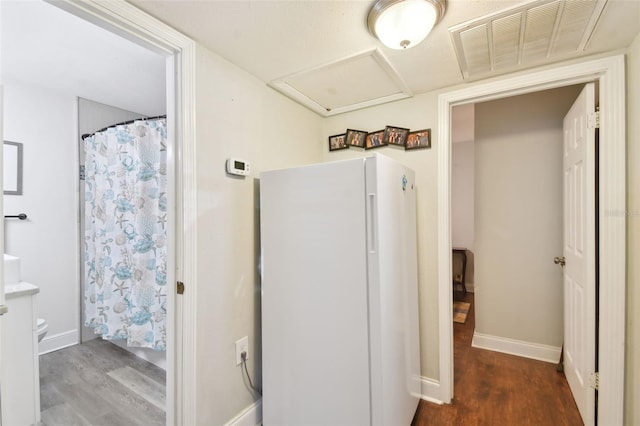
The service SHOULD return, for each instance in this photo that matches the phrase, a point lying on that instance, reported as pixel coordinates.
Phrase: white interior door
(579, 153)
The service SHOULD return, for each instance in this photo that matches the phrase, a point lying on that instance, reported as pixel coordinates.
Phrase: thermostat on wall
(238, 167)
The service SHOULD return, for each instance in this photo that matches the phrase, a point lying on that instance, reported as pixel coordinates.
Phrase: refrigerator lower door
(315, 331)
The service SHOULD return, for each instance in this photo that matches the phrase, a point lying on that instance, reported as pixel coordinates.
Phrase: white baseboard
(250, 416)
(516, 347)
(430, 389)
(58, 341)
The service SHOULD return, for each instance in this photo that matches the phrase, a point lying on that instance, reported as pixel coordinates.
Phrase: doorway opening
(506, 215)
(609, 72)
(179, 53)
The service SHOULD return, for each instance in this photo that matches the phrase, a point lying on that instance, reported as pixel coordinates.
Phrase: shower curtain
(125, 233)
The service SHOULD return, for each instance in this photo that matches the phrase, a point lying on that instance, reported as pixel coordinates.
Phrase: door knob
(559, 260)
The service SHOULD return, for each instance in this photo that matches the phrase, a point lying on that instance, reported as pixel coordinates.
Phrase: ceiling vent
(526, 35)
(353, 83)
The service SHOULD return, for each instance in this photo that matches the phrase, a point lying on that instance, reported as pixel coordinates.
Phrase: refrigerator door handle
(371, 223)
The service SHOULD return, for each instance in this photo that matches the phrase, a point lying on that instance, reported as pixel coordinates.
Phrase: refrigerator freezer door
(393, 291)
(315, 334)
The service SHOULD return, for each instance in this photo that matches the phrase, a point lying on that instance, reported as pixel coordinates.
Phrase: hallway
(493, 388)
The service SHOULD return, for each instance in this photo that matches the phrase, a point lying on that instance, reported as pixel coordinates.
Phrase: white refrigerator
(340, 342)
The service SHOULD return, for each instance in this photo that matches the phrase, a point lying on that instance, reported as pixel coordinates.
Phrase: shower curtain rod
(86, 135)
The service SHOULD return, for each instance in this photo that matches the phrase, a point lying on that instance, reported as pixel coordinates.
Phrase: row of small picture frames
(390, 135)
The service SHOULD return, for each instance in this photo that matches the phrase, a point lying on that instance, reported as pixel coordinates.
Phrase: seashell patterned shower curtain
(125, 233)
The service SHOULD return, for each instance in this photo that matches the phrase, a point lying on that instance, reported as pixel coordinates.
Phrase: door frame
(610, 74)
(126, 20)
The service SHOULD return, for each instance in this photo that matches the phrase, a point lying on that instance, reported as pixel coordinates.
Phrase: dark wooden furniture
(459, 267)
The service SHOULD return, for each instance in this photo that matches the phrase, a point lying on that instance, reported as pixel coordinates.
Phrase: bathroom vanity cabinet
(20, 365)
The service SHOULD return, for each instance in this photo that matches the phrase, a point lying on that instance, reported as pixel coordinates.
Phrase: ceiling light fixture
(401, 24)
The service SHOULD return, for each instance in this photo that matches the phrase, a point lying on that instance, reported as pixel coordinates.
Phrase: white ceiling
(45, 46)
(275, 40)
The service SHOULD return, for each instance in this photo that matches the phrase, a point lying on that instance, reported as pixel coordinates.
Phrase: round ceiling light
(401, 24)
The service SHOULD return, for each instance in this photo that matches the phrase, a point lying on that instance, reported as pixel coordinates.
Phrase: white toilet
(42, 329)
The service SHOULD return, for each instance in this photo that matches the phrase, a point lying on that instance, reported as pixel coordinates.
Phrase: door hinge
(593, 121)
(180, 287)
(594, 380)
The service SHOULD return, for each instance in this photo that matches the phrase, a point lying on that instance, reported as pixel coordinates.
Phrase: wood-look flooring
(98, 383)
(493, 388)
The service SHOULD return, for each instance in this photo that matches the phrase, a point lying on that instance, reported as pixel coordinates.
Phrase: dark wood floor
(493, 388)
(98, 383)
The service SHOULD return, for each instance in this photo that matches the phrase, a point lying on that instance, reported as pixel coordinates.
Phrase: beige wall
(237, 116)
(518, 216)
(462, 183)
(462, 194)
(463, 203)
(632, 408)
(462, 188)
(417, 113)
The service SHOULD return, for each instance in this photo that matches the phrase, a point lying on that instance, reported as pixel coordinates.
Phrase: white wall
(632, 408)
(238, 116)
(518, 216)
(47, 243)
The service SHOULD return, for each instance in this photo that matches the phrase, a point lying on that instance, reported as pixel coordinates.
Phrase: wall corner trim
(430, 390)
(250, 416)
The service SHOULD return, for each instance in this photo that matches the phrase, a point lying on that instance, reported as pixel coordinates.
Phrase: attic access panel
(348, 84)
(525, 35)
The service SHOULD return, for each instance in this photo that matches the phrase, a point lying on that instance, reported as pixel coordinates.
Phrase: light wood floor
(492, 388)
(98, 383)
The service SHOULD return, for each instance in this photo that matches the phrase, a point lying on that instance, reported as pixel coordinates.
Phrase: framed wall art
(356, 138)
(418, 139)
(337, 142)
(12, 170)
(375, 140)
(395, 135)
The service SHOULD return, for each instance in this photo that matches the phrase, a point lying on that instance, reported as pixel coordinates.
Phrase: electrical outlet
(242, 345)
